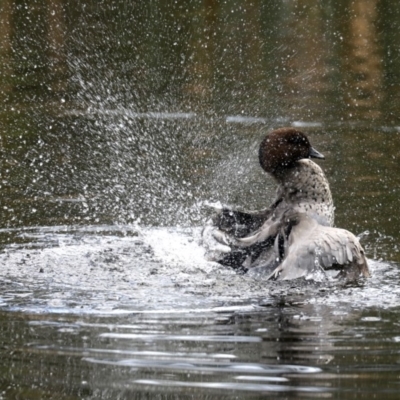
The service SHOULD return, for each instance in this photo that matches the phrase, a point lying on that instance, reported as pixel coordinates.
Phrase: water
(119, 122)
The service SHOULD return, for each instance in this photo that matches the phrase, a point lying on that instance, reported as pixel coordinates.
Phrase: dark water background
(118, 121)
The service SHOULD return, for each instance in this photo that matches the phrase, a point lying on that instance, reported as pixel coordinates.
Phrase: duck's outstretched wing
(241, 223)
(228, 235)
(240, 253)
(313, 248)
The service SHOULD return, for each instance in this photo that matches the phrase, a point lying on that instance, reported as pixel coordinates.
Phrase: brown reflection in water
(5, 48)
(225, 66)
(362, 60)
(239, 84)
(33, 61)
(200, 62)
(56, 39)
(306, 69)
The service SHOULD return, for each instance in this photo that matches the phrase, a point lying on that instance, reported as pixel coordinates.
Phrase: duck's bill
(316, 154)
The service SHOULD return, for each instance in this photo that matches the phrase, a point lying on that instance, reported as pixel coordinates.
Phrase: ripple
(252, 387)
(214, 367)
(185, 338)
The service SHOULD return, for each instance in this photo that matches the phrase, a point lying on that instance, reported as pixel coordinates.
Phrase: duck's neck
(306, 187)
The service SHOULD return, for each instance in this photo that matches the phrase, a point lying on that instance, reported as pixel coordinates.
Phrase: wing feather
(314, 246)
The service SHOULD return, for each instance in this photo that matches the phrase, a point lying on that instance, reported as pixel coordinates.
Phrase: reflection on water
(364, 91)
(297, 351)
(130, 312)
(119, 121)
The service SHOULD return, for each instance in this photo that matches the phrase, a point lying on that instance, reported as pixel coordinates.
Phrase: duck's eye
(297, 140)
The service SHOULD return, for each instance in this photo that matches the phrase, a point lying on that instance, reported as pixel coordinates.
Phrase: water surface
(119, 122)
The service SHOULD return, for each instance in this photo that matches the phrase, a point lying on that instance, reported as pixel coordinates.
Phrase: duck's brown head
(282, 148)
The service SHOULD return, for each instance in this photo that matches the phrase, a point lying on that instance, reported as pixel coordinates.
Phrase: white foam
(181, 248)
(152, 270)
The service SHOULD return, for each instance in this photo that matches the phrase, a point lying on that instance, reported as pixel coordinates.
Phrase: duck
(295, 236)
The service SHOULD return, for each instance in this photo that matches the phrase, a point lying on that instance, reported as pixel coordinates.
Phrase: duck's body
(309, 248)
(295, 234)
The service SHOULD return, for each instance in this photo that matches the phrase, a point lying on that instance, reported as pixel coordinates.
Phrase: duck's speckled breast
(306, 189)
